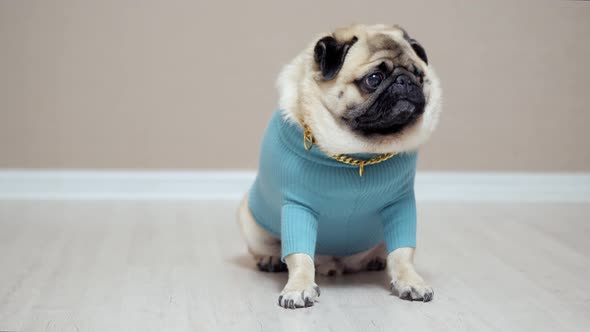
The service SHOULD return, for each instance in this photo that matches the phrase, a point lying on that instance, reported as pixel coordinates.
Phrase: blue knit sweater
(316, 204)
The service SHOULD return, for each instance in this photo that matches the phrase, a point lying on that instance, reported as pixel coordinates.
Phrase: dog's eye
(372, 81)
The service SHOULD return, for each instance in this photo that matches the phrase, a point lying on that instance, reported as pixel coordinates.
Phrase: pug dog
(335, 188)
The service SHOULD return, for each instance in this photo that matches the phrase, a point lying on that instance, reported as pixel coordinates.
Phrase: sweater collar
(291, 134)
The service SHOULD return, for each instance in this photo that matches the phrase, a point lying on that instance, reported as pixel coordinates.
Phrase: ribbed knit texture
(316, 204)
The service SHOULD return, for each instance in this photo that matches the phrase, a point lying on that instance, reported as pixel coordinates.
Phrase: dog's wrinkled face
(380, 84)
(364, 89)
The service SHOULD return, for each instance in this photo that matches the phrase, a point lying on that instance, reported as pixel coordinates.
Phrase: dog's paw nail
(412, 290)
(299, 298)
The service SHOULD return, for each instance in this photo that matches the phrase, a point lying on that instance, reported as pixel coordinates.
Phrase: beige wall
(184, 85)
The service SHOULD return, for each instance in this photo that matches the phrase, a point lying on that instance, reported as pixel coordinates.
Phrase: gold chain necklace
(308, 142)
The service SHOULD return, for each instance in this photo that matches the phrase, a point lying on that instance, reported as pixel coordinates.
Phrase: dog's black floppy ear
(329, 54)
(417, 47)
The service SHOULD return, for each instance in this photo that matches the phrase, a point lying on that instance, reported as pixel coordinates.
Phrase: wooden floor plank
(182, 266)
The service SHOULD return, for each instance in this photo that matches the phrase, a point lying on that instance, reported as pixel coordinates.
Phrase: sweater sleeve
(299, 228)
(399, 223)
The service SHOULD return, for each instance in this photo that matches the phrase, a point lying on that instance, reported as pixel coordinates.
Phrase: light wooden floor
(180, 266)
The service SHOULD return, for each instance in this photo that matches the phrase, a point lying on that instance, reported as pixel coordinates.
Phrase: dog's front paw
(299, 297)
(413, 289)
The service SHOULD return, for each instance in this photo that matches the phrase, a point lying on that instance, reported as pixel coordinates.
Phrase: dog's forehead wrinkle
(385, 41)
(380, 59)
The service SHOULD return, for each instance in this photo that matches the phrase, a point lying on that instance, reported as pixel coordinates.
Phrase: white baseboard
(231, 185)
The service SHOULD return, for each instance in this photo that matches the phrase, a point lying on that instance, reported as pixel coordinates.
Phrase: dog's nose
(404, 80)
(404, 86)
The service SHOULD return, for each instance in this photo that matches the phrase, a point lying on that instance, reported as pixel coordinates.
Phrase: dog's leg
(299, 227)
(399, 227)
(404, 278)
(265, 248)
(301, 289)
